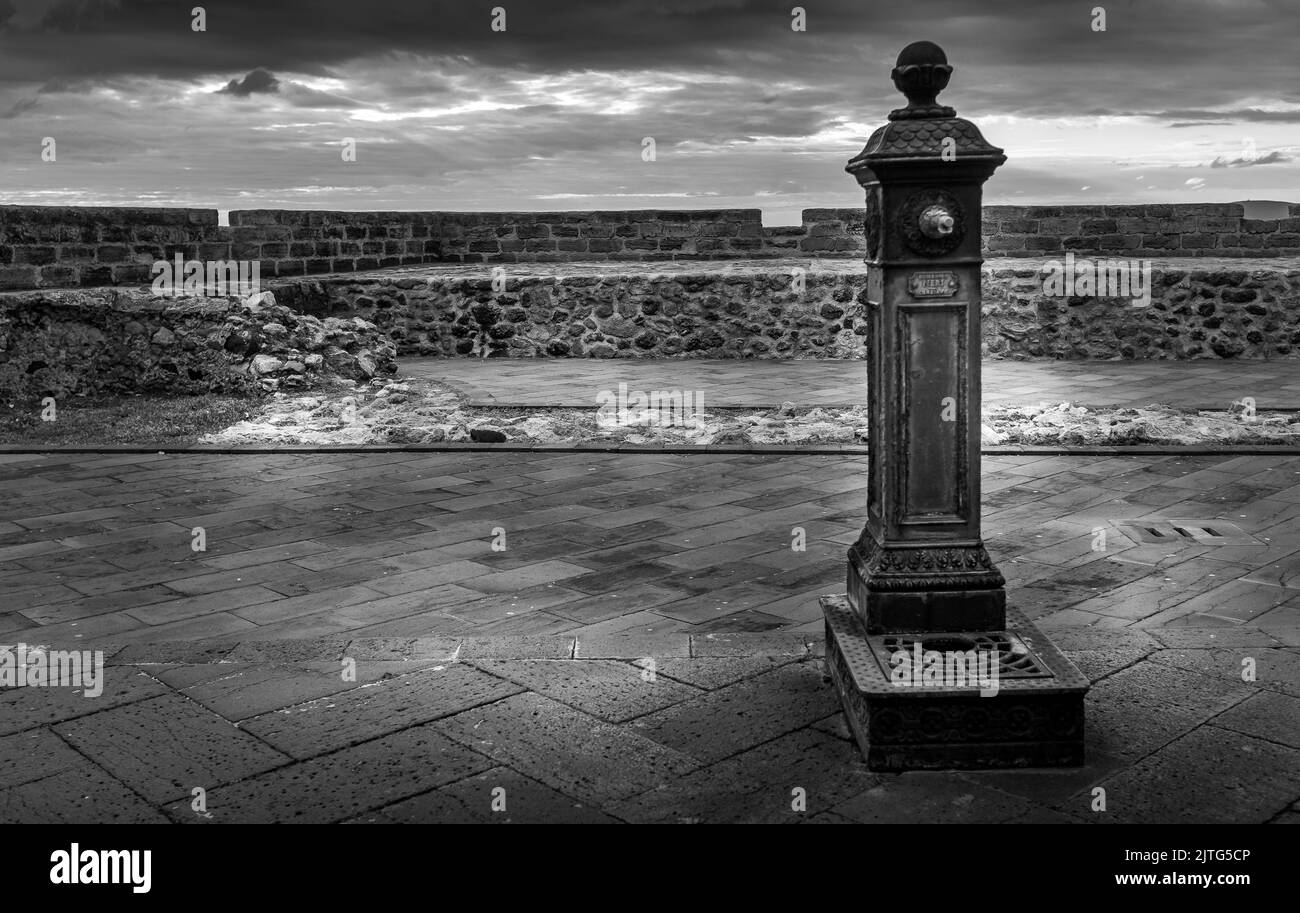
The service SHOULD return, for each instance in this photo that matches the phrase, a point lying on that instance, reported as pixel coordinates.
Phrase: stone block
(1152, 703)
(365, 713)
(164, 747)
(1267, 715)
(1008, 242)
(496, 796)
(610, 690)
(567, 750)
(1259, 226)
(85, 795)
(17, 277)
(1209, 776)
(26, 708)
(34, 255)
(342, 784)
(742, 715)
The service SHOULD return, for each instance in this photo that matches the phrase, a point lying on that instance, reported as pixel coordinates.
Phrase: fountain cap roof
(920, 130)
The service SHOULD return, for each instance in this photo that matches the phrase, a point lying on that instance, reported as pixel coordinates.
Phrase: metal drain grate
(1186, 532)
(1015, 659)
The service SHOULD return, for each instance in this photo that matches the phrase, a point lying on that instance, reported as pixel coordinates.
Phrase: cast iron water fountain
(991, 690)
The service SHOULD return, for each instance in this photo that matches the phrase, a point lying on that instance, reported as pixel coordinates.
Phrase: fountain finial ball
(921, 72)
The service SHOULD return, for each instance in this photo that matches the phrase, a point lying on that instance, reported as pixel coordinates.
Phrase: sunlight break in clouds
(744, 112)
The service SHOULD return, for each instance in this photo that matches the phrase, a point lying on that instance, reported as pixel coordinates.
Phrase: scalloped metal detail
(923, 138)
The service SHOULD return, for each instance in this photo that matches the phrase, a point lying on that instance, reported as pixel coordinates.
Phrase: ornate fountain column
(919, 563)
(920, 582)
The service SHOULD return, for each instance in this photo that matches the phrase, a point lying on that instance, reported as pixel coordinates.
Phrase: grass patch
(137, 419)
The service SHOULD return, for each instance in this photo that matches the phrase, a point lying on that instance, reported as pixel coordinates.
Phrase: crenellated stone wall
(71, 246)
(68, 247)
(1145, 231)
(700, 283)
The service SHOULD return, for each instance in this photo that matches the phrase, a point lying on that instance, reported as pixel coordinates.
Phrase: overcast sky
(1178, 100)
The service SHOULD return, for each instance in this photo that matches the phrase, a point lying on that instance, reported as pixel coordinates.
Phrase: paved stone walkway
(657, 728)
(101, 547)
(737, 382)
(646, 647)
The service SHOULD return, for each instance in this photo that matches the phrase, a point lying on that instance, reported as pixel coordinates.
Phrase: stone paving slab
(496, 796)
(741, 715)
(163, 747)
(540, 688)
(1272, 669)
(337, 786)
(22, 709)
(1211, 775)
(1269, 716)
(932, 798)
(698, 563)
(539, 737)
(753, 734)
(609, 690)
(240, 691)
(362, 713)
(1168, 703)
(85, 794)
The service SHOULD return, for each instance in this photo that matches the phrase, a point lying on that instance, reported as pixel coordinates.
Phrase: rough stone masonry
(1230, 308)
(69, 342)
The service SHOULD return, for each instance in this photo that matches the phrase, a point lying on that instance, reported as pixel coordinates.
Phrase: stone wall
(355, 241)
(1214, 309)
(1142, 231)
(294, 242)
(63, 247)
(68, 246)
(650, 234)
(628, 313)
(62, 342)
(70, 342)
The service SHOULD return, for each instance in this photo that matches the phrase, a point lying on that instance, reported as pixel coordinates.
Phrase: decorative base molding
(899, 588)
(1026, 722)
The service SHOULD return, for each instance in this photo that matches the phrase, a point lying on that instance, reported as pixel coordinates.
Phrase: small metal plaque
(937, 284)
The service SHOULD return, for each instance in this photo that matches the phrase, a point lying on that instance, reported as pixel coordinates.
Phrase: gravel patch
(427, 412)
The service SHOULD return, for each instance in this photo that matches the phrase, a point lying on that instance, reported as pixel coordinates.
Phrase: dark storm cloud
(263, 82)
(447, 113)
(1043, 51)
(257, 81)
